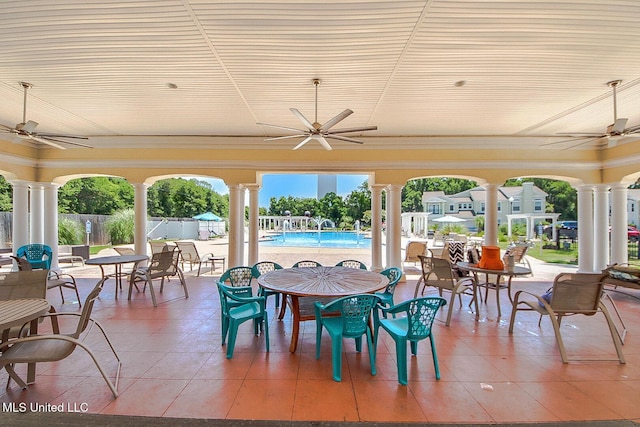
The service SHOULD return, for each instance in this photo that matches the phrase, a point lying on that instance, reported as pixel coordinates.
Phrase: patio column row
(35, 216)
(602, 235)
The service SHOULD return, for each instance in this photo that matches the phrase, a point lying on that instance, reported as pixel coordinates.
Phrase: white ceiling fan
(26, 129)
(317, 131)
(615, 131)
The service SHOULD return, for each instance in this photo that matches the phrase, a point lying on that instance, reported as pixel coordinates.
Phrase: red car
(633, 234)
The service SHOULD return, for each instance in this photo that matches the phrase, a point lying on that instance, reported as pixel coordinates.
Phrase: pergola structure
(530, 219)
(466, 89)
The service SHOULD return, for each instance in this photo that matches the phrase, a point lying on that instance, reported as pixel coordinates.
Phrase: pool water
(322, 239)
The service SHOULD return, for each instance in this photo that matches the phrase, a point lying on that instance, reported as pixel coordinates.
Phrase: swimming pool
(322, 239)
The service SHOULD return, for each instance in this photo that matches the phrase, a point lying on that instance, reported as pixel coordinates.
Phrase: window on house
(452, 208)
(537, 205)
(434, 209)
(482, 207)
(499, 207)
(515, 205)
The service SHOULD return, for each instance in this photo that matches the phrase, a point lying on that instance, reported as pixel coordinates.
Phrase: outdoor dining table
(320, 282)
(507, 273)
(17, 312)
(117, 261)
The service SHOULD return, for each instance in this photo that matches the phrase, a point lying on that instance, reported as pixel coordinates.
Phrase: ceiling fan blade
(77, 144)
(275, 138)
(6, 128)
(569, 140)
(581, 134)
(577, 145)
(302, 118)
(56, 135)
(307, 139)
(281, 127)
(351, 130)
(343, 138)
(323, 142)
(337, 119)
(632, 129)
(47, 142)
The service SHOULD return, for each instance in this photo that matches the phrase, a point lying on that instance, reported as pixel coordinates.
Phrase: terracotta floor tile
(448, 402)
(324, 400)
(158, 394)
(508, 402)
(177, 366)
(264, 400)
(205, 399)
(567, 402)
(386, 401)
(618, 396)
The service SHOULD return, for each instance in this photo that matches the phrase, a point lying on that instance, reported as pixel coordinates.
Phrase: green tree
(95, 195)
(6, 195)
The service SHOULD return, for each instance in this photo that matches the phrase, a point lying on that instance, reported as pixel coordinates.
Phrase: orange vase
(490, 258)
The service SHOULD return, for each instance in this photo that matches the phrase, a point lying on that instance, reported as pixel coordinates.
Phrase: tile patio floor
(174, 365)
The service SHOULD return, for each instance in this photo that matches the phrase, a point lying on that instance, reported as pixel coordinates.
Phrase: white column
(36, 197)
(491, 215)
(619, 222)
(20, 229)
(376, 227)
(254, 222)
(600, 227)
(236, 225)
(51, 221)
(585, 228)
(140, 221)
(394, 226)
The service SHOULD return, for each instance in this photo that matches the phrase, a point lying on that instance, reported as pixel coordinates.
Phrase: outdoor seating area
(175, 352)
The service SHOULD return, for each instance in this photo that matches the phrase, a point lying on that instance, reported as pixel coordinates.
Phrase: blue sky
(296, 185)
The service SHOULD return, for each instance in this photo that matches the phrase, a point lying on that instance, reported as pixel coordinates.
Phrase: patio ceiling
(445, 72)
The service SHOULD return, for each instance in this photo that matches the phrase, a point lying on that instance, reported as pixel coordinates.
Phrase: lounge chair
(189, 253)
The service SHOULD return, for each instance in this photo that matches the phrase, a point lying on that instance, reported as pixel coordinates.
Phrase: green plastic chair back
(353, 322)
(238, 306)
(38, 255)
(237, 276)
(414, 326)
(393, 274)
(261, 268)
(352, 263)
(306, 263)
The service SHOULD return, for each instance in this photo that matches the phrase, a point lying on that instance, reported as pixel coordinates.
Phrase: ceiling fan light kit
(26, 129)
(319, 132)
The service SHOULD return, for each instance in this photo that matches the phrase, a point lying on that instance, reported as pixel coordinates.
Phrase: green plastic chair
(261, 268)
(237, 306)
(353, 322)
(393, 274)
(352, 263)
(414, 326)
(38, 255)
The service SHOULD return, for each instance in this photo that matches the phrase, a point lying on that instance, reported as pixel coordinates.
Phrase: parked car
(633, 234)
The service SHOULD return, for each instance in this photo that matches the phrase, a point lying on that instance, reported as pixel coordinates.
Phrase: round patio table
(509, 274)
(17, 312)
(117, 261)
(321, 282)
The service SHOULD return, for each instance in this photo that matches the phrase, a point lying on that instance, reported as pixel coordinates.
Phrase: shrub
(69, 232)
(120, 227)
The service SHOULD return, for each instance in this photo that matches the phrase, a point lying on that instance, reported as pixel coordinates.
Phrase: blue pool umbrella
(207, 216)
